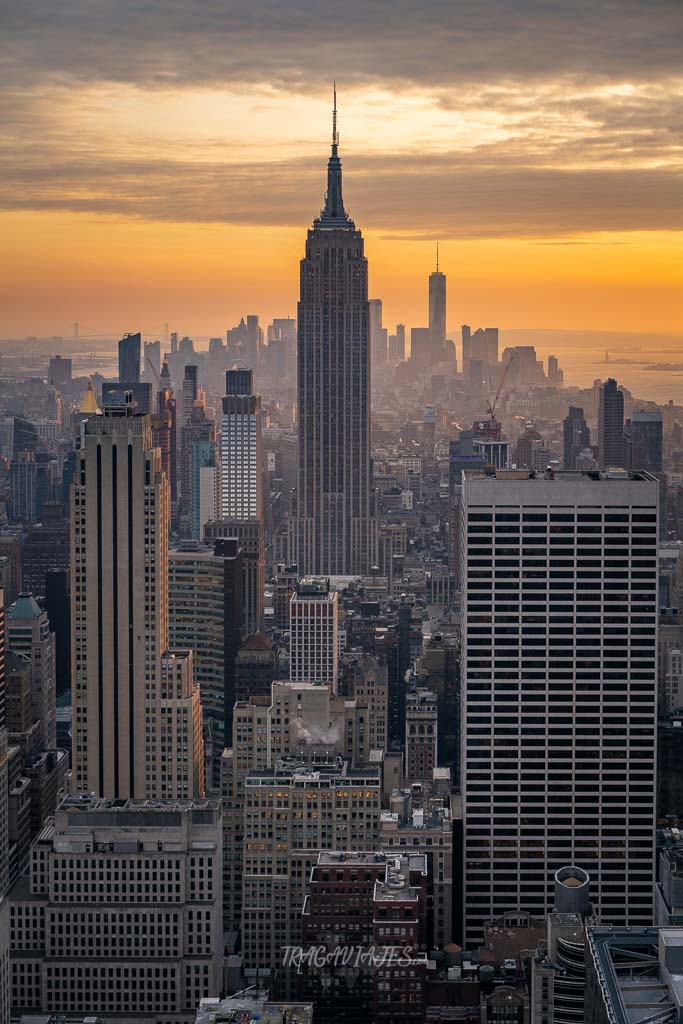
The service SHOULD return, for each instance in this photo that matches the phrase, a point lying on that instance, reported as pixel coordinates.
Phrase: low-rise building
(120, 914)
(634, 975)
(252, 1005)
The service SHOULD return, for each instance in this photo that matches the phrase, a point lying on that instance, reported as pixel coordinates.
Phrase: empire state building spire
(333, 529)
(334, 214)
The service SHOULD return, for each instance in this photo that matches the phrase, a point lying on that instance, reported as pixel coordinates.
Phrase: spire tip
(335, 134)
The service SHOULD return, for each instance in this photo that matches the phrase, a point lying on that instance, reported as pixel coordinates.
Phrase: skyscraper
(126, 703)
(165, 430)
(611, 442)
(559, 690)
(28, 634)
(335, 529)
(314, 629)
(437, 312)
(205, 613)
(152, 362)
(250, 537)
(199, 429)
(576, 436)
(129, 359)
(378, 353)
(190, 392)
(240, 445)
(397, 345)
(466, 334)
(645, 441)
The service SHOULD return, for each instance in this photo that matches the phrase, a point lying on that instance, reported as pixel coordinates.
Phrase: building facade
(28, 634)
(120, 915)
(421, 738)
(205, 616)
(293, 811)
(611, 440)
(314, 632)
(119, 612)
(249, 534)
(334, 530)
(241, 448)
(559, 646)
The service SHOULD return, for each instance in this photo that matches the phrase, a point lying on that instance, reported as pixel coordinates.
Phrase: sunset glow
(167, 188)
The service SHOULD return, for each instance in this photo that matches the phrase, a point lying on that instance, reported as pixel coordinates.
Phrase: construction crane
(491, 405)
(153, 369)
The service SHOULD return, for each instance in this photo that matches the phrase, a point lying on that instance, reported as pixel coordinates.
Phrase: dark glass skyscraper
(611, 442)
(334, 530)
(129, 359)
(437, 313)
(645, 436)
(576, 436)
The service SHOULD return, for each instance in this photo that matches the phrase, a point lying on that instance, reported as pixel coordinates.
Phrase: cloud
(431, 197)
(303, 43)
(541, 118)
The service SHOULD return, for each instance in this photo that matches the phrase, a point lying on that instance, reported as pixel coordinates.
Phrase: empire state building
(334, 529)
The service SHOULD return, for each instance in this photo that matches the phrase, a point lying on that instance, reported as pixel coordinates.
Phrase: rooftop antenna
(335, 133)
(437, 257)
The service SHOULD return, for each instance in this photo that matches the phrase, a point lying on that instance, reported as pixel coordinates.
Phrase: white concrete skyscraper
(559, 690)
(240, 445)
(334, 529)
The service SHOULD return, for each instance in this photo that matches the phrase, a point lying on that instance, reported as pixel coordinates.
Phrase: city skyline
(550, 181)
(341, 611)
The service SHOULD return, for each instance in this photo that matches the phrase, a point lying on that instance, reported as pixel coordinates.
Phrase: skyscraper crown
(334, 215)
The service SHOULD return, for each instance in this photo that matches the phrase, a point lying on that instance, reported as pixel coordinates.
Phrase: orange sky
(145, 188)
(116, 274)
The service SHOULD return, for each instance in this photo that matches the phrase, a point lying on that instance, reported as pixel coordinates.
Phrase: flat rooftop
(247, 1008)
(562, 475)
(638, 969)
(349, 858)
(88, 803)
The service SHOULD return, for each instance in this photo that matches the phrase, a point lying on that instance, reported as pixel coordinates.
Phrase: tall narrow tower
(334, 530)
(136, 711)
(240, 441)
(611, 443)
(437, 312)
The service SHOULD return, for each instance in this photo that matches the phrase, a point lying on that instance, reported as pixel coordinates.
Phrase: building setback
(119, 617)
(205, 615)
(334, 530)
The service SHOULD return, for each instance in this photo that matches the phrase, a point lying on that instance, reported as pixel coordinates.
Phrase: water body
(582, 357)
